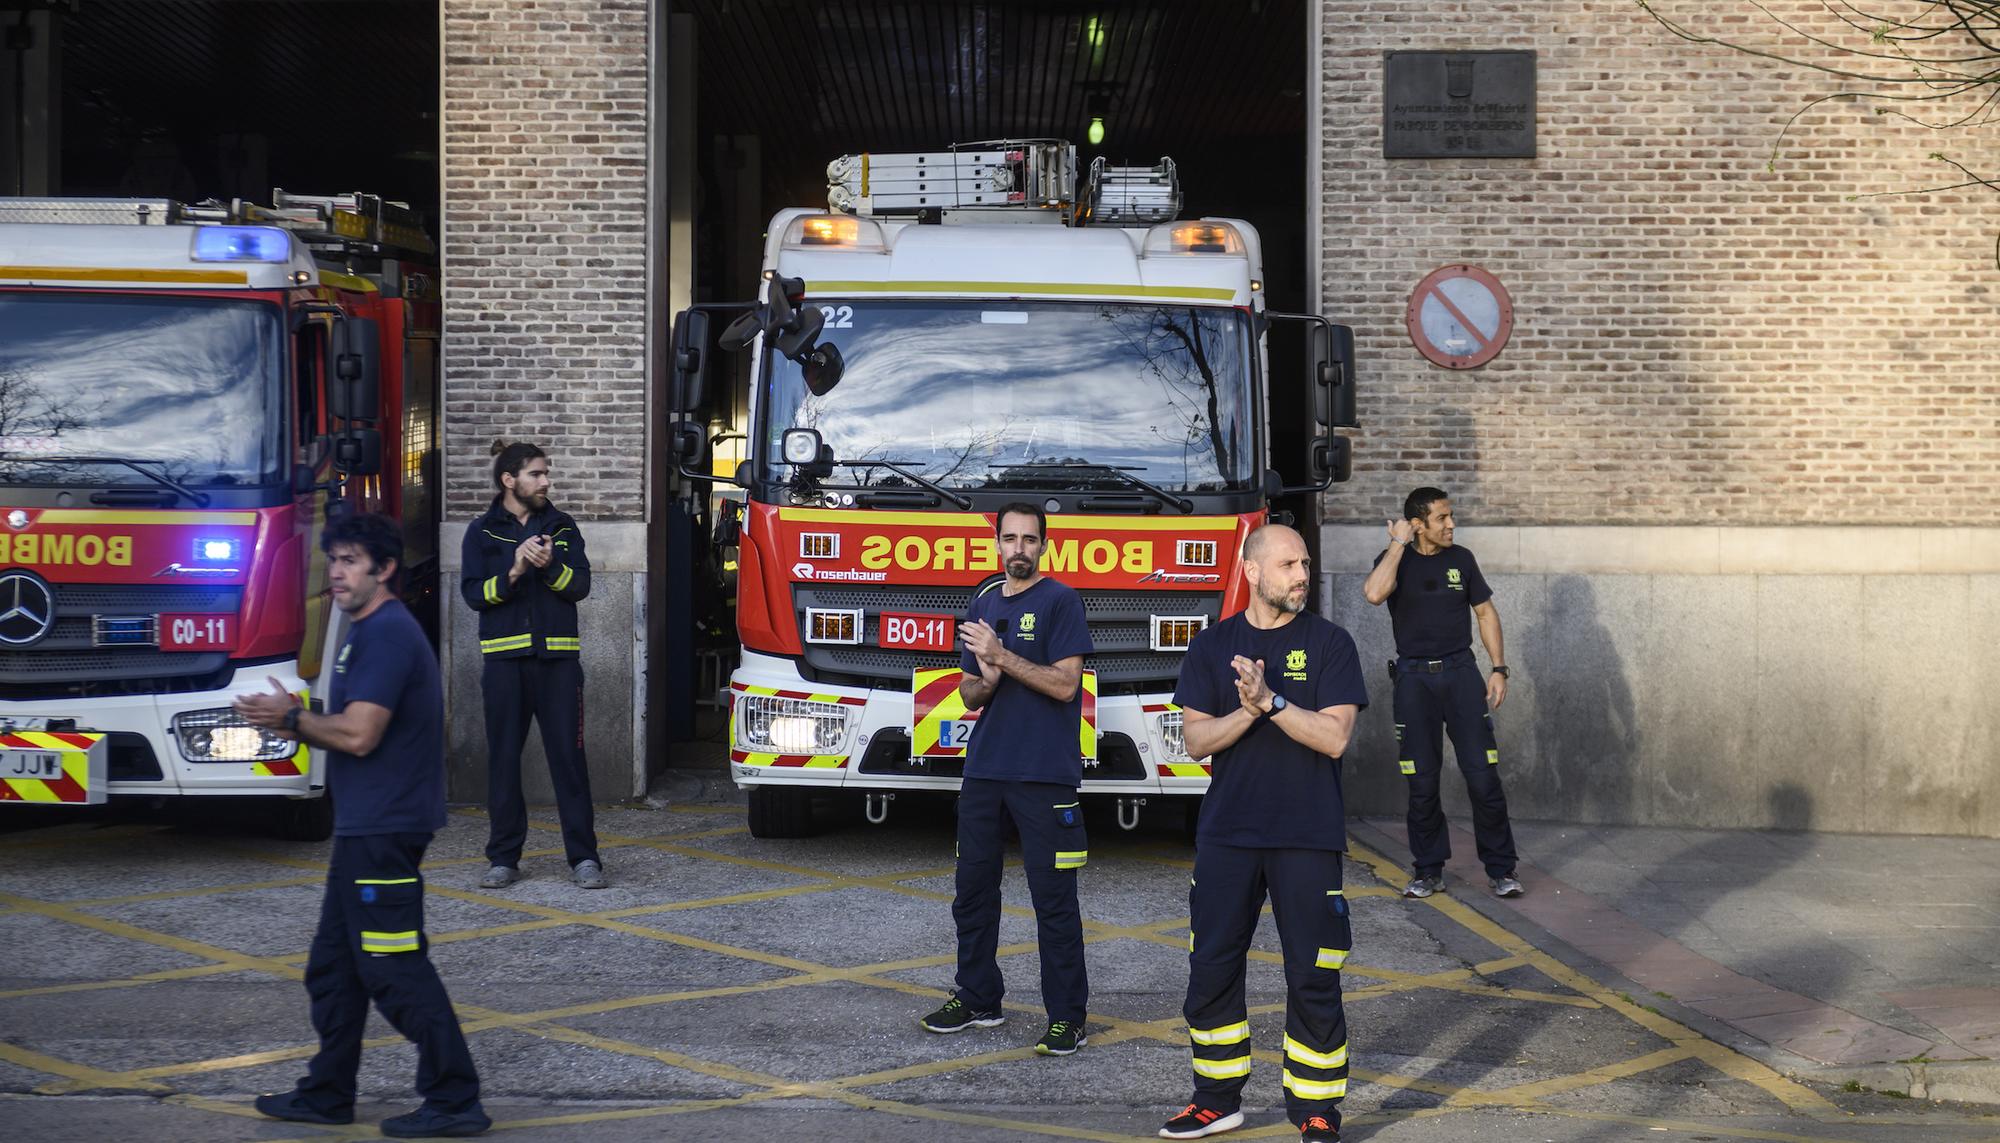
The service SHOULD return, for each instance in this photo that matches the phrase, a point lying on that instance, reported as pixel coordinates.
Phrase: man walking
(1025, 640)
(1270, 695)
(383, 732)
(525, 571)
(1434, 590)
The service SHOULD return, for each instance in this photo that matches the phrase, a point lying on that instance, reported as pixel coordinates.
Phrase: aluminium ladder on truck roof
(346, 222)
(1019, 175)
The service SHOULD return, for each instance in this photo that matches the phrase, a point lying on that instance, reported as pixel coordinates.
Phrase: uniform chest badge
(1026, 626)
(1295, 665)
(340, 664)
(1451, 577)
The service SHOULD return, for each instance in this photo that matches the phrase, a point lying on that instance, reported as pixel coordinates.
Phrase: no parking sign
(1459, 317)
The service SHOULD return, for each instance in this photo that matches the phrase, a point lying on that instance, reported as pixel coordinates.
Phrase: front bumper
(150, 718)
(871, 713)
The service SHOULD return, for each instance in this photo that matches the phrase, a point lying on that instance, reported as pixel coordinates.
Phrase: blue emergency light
(241, 244)
(216, 550)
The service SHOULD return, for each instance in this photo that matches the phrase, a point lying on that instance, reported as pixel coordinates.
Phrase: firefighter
(1270, 694)
(525, 571)
(1434, 591)
(383, 732)
(1025, 639)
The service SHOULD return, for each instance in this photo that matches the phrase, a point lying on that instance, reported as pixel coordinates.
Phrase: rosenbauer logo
(848, 575)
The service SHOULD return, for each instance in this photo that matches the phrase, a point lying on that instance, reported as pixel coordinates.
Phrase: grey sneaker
(499, 877)
(1507, 887)
(1424, 886)
(589, 875)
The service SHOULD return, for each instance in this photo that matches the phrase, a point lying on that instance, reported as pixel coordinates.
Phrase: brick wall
(1698, 339)
(544, 245)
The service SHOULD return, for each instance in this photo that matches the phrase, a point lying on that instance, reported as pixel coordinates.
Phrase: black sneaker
(293, 1107)
(1424, 886)
(1063, 1038)
(1317, 1130)
(956, 1017)
(430, 1123)
(1198, 1121)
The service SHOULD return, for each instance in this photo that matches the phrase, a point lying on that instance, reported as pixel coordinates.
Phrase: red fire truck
(186, 391)
(962, 329)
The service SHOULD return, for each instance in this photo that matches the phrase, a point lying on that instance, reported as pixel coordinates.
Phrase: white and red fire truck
(960, 330)
(185, 392)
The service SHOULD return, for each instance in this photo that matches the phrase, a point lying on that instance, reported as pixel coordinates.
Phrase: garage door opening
(765, 94)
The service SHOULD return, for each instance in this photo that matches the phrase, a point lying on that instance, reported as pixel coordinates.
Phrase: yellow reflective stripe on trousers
(385, 881)
(492, 588)
(1314, 1089)
(562, 581)
(1222, 1069)
(1407, 765)
(564, 643)
(506, 643)
(1299, 1052)
(1072, 859)
(388, 942)
(1331, 958)
(1227, 1034)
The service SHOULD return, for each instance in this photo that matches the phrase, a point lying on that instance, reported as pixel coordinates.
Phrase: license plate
(41, 764)
(197, 632)
(918, 632)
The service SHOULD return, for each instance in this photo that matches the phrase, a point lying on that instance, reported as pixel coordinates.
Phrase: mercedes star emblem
(27, 608)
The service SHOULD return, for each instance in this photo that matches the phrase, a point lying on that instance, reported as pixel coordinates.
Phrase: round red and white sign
(1460, 316)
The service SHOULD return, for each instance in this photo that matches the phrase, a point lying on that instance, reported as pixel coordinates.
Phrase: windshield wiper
(136, 464)
(898, 467)
(1111, 470)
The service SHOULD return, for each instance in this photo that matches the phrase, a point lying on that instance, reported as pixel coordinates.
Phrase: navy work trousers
(371, 946)
(1049, 819)
(1225, 896)
(1428, 705)
(548, 692)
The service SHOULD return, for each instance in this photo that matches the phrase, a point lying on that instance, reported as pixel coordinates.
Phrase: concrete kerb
(1959, 1081)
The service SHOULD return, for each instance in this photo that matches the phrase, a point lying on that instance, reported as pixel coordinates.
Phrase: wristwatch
(1278, 703)
(1501, 670)
(292, 719)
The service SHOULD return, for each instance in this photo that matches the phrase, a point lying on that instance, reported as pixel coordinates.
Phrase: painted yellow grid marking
(1167, 931)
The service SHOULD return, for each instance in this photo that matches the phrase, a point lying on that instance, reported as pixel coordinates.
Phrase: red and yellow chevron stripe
(774, 692)
(1086, 737)
(801, 761)
(73, 788)
(934, 701)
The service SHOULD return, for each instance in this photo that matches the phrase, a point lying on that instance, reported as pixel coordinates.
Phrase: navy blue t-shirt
(1268, 790)
(1431, 608)
(1022, 734)
(398, 787)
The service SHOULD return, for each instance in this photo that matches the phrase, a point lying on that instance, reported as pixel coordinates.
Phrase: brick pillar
(544, 229)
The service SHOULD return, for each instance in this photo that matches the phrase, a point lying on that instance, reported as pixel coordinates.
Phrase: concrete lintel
(1699, 550)
(615, 545)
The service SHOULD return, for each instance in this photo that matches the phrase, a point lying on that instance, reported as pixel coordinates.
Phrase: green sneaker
(1063, 1038)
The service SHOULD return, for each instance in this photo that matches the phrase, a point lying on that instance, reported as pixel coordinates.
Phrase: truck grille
(65, 663)
(1124, 661)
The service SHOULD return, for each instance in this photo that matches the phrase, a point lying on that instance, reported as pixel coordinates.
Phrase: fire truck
(957, 331)
(186, 392)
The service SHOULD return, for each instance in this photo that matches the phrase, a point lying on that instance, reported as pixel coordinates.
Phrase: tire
(781, 812)
(304, 819)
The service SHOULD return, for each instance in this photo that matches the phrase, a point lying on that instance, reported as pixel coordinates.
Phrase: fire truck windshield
(962, 392)
(189, 388)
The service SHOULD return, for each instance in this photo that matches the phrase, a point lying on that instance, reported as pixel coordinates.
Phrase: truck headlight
(1171, 737)
(790, 726)
(222, 735)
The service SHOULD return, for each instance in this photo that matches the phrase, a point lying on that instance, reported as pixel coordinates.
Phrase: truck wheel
(304, 819)
(779, 811)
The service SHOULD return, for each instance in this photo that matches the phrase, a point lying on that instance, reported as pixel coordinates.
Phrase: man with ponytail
(525, 571)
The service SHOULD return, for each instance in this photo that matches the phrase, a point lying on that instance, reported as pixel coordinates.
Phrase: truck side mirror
(354, 384)
(1332, 460)
(690, 365)
(687, 443)
(1344, 386)
(357, 452)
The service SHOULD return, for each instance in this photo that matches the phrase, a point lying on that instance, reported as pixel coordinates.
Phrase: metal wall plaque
(1458, 105)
